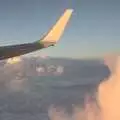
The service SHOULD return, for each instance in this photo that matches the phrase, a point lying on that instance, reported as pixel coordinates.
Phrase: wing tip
(57, 29)
(69, 10)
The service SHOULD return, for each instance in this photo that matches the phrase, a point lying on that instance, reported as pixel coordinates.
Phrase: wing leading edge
(50, 39)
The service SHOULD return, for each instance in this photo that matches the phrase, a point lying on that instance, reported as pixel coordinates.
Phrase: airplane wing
(50, 39)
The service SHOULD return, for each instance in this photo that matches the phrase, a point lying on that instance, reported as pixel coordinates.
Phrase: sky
(92, 31)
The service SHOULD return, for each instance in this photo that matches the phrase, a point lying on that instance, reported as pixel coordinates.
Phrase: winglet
(57, 30)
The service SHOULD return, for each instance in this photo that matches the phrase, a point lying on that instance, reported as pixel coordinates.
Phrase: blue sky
(93, 30)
